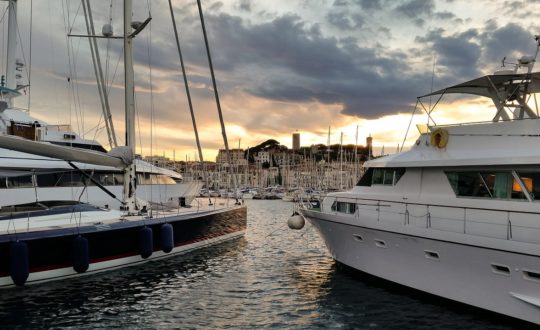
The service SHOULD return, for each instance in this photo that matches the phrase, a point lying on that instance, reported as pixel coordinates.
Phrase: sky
(281, 66)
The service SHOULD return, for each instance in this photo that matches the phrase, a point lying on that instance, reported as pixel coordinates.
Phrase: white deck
(103, 217)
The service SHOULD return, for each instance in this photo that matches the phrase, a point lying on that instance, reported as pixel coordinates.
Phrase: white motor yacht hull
(456, 271)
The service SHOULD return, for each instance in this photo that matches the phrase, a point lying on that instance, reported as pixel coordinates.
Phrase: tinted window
(531, 181)
(366, 179)
(20, 181)
(378, 176)
(501, 185)
(344, 207)
(387, 176)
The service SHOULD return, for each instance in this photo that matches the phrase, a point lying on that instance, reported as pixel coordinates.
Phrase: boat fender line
(439, 138)
(146, 242)
(18, 262)
(80, 255)
(167, 237)
(296, 221)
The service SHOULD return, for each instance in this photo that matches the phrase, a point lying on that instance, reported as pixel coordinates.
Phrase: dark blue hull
(52, 254)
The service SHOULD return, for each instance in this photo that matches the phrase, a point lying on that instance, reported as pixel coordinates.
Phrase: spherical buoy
(296, 221)
(146, 242)
(18, 262)
(81, 257)
(167, 237)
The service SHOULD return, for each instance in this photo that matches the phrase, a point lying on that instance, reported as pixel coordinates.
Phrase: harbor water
(272, 278)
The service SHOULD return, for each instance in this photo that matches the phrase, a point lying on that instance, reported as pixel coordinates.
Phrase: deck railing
(523, 226)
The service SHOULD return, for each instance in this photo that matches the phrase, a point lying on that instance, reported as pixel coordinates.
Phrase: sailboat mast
(129, 77)
(129, 173)
(221, 121)
(11, 47)
(98, 71)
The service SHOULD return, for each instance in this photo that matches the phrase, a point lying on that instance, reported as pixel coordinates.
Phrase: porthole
(431, 255)
(500, 269)
(531, 275)
(380, 243)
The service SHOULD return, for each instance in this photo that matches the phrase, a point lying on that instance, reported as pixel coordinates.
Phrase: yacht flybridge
(457, 215)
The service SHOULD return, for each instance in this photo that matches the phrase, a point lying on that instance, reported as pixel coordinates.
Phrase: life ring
(439, 138)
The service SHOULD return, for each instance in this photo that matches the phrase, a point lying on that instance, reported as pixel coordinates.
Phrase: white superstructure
(458, 215)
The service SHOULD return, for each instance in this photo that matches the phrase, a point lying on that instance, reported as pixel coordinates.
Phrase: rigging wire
(152, 112)
(22, 47)
(30, 55)
(3, 22)
(431, 91)
(107, 54)
(66, 27)
(73, 78)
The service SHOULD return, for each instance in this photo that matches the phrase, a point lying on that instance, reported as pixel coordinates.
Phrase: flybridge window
(387, 176)
(344, 207)
(498, 185)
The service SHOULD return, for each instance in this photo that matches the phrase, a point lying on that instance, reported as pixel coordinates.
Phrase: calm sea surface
(271, 278)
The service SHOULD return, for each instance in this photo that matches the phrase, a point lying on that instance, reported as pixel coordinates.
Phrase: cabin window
(498, 185)
(24, 181)
(344, 207)
(118, 179)
(387, 176)
(70, 179)
(106, 179)
(367, 178)
(147, 178)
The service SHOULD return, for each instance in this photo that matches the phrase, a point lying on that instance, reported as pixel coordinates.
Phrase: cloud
(344, 22)
(458, 54)
(369, 4)
(244, 5)
(510, 40)
(415, 8)
(288, 60)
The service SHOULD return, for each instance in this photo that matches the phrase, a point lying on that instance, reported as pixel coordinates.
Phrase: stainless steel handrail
(428, 216)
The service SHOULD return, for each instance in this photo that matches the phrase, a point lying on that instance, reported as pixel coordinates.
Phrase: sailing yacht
(26, 178)
(47, 240)
(457, 215)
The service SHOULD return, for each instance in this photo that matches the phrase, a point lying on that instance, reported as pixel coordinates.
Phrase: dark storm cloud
(290, 61)
(509, 40)
(458, 53)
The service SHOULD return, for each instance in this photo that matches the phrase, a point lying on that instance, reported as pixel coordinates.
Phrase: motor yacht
(458, 214)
